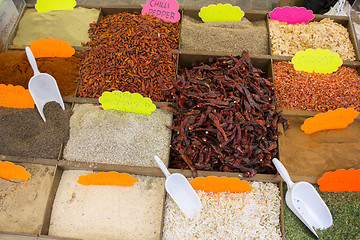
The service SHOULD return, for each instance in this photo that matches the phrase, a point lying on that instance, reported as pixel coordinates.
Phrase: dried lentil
(299, 90)
(129, 52)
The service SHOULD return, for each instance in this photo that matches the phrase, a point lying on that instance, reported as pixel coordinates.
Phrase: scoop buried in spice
(42, 87)
(303, 200)
(180, 190)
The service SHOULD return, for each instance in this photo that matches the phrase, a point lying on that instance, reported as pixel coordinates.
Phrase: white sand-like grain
(107, 212)
(115, 137)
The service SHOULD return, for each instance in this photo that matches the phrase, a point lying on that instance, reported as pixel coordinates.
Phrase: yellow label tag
(318, 61)
(338, 119)
(127, 102)
(50, 5)
(221, 13)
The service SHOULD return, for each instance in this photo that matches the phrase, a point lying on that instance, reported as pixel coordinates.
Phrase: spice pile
(129, 52)
(107, 212)
(68, 25)
(225, 118)
(25, 134)
(116, 137)
(299, 90)
(251, 215)
(16, 70)
(23, 204)
(225, 36)
(324, 151)
(345, 210)
(287, 39)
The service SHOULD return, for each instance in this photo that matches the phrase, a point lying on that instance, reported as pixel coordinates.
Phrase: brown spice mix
(299, 90)
(16, 70)
(25, 134)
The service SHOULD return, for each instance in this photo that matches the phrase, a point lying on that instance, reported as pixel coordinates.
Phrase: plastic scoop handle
(32, 61)
(162, 166)
(283, 173)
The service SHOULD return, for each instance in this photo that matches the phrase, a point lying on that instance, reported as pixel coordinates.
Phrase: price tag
(127, 102)
(15, 97)
(318, 61)
(292, 15)
(50, 5)
(221, 13)
(10, 171)
(51, 48)
(338, 119)
(167, 10)
(107, 178)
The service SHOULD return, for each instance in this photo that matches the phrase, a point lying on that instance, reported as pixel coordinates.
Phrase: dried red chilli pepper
(225, 118)
(299, 90)
(129, 52)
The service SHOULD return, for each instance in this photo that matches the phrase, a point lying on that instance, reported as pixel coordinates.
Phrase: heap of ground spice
(25, 134)
(16, 70)
(345, 210)
(299, 90)
(129, 52)
(225, 36)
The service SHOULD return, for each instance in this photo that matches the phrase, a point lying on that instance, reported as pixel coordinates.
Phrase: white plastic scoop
(303, 199)
(42, 87)
(180, 190)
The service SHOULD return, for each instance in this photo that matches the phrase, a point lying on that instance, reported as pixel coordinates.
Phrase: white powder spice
(250, 215)
(107, 212)
(116, 137)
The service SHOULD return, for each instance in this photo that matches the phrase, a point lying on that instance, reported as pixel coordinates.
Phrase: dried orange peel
(220, 184)
(107, 178)
(338, 119)
(51, 48)
(15, 97)
(10, 171)
(340, 181)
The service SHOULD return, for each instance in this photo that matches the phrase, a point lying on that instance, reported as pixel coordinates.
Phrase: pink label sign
(292, 15)
(167, 10)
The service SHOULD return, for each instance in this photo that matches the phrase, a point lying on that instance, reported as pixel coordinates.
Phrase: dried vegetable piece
(338, 119)
(340, 181)
(225, 118)
(299, 90)
(129, 52)
(220, 184)
(107, 178)
(287, 39)
(10, 171)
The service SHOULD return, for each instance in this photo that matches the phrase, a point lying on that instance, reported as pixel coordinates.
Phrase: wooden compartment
(251, 15)
(342, 20)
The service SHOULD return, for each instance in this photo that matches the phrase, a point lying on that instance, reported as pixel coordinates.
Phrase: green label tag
(50, 5)
(221, 13)
(127, 102)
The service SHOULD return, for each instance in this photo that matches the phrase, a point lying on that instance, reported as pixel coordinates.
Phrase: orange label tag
(338, 119)
(51, 48)
(340, 181)
(10, 171)
(107, 178)
(220, 184)
(15, 97)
